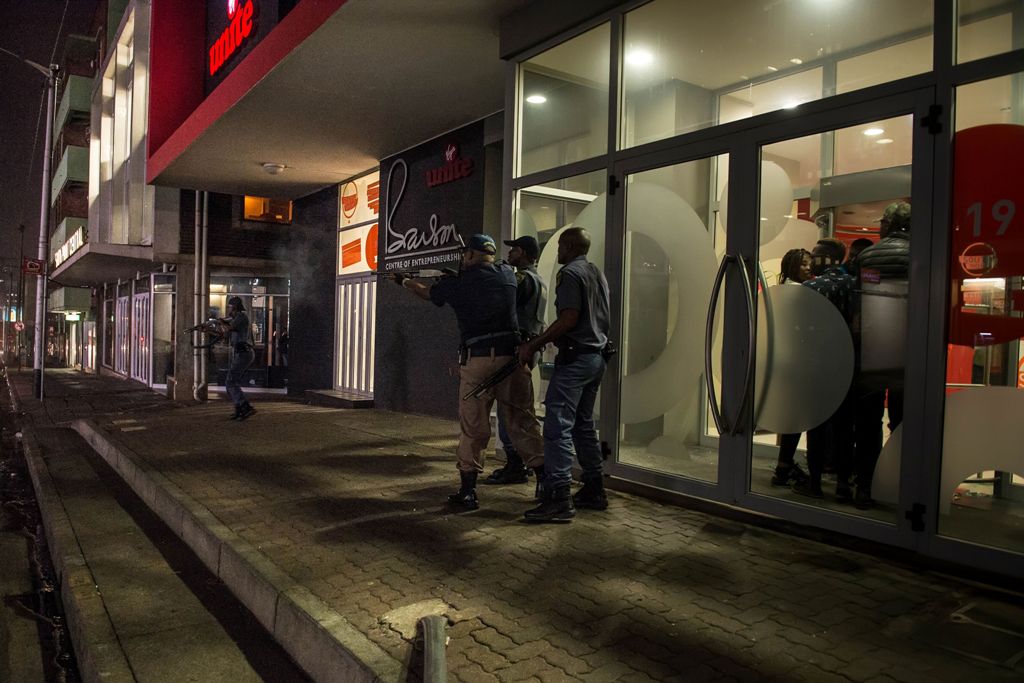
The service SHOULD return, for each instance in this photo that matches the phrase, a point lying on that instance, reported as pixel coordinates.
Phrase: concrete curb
(97, 648)
(320, 640)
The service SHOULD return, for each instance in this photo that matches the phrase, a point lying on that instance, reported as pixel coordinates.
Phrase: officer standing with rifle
(581, 335)
(531, 301)
(484, 298)
(238, 330)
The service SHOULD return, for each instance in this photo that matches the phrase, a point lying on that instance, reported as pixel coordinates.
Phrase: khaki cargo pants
(515, 403)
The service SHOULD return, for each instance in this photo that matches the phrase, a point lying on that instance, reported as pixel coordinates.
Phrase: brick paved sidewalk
(349, 503)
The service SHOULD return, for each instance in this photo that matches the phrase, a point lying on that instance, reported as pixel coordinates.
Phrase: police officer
(581, 335)
(237, 329)
(484, 298)
(531, 300)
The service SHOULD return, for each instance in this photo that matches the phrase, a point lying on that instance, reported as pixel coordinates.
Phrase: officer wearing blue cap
(483, 296)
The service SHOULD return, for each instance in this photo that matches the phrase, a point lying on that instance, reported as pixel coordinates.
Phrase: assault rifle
(494, 379)
(423, 274)
(212, 329)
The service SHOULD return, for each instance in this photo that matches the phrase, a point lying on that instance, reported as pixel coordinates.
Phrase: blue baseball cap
(482, 243)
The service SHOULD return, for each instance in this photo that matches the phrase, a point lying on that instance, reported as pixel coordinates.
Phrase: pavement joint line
(321, 641)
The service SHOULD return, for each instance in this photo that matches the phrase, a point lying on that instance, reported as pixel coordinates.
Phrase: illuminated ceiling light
(639, 57)
(884, 141)
(796, 60)
(272, 168)
(874, 131)
(536, 99)
(792, 104)
(772, 69)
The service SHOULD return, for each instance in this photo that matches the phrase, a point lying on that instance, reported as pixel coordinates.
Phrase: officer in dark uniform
(238, 330)
(484, 298)
(531, 301)
(581, 335)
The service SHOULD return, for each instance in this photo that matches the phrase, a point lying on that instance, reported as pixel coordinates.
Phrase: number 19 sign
(988, 197)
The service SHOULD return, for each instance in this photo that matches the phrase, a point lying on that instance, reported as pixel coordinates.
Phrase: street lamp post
(52, 74)
(38, 362)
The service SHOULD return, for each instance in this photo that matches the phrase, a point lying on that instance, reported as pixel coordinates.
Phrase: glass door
(673, 252)
(760, 363)
(842, 246)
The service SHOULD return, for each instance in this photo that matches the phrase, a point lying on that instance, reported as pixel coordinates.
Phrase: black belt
(499, 350)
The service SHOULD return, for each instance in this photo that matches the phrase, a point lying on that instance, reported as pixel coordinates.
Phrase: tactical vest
(531, 312)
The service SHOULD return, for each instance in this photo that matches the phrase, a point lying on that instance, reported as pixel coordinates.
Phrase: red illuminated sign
(234, 35)
(454, 168)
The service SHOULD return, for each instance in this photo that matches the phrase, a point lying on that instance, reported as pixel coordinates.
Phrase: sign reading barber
(433, 198)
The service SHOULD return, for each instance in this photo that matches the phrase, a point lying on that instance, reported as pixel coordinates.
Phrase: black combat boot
(538, 491)
(591, 496)
(514, 471)
(556, 506)
(465, 497)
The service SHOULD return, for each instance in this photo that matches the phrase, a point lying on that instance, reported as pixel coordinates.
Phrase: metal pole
(44, 234)
(21, 296)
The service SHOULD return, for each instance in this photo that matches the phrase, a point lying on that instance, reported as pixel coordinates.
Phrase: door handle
(709, 333)
(748, 375)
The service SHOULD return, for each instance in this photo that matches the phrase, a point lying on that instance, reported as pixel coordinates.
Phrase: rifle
(422, 274)
(494, 379)
(210, 328)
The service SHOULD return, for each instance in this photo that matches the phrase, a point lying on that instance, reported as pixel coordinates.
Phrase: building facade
(699, 145)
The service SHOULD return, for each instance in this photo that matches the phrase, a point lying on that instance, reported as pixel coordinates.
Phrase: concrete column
(183, 352)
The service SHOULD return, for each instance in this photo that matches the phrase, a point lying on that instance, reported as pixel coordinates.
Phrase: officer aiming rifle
(214, 330)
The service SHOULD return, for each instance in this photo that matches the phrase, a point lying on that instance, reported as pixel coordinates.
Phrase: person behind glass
(795, 270)
(237, 329)
(531, 300)
(885, 261)
(852, 265)
(581, 335)
(483, 296)
(833, 437)
(281, 334)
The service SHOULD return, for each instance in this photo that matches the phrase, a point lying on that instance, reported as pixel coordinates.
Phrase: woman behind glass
(795, 270)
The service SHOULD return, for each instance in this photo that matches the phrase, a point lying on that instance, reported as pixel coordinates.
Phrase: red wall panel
(177, 56)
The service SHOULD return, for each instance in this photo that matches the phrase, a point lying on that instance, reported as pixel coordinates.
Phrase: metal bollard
(435, 663)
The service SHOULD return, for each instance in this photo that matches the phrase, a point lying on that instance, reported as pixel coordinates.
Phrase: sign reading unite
(240, 27)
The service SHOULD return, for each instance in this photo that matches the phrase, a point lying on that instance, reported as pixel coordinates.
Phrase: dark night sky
(28, 28)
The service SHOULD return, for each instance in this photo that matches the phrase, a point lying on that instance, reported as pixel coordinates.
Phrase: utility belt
(569, 351)
(493, 344)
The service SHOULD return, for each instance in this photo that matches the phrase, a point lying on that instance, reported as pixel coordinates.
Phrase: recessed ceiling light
(874, 131)
(772, 69)
(536, 99)
(792, 104)
(273, 168)
(639, 57)
(796, 60)
(884, 141)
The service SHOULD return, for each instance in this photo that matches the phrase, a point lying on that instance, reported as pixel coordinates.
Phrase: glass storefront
(783, 329)
(266, 302)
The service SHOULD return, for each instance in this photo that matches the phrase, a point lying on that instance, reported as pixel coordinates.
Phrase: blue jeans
(569, 419)
(240, 362)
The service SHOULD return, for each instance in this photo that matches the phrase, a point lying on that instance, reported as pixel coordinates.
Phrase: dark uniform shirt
(240, 330)
(531, 299)
(484, 299)
(580, 285)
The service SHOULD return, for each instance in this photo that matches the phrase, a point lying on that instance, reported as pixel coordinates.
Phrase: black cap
(236, 301)
(527, 244)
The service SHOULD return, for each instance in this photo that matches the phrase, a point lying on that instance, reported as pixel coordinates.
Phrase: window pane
(691, 65)
(986, 28)
(563, 103)
(670, 265)
(542, 211)
(832, 326)
(981, 498)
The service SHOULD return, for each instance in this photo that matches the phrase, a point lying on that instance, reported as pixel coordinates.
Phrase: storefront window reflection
(542, 211)
(687, 66)
(988, 27)
(981, 496)
(563, 103)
